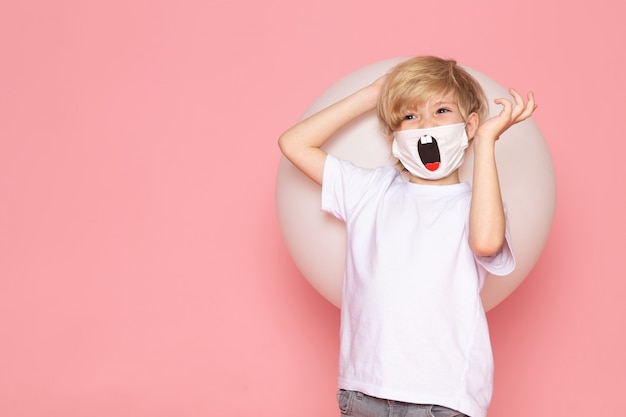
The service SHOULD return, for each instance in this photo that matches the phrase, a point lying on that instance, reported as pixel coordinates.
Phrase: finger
(529, 108)
(523, 111)
(519, 108)
(519, 100)
(531, 100)
(507, 106)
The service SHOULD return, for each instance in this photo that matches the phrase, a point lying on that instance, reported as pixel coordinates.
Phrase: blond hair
(417, 79)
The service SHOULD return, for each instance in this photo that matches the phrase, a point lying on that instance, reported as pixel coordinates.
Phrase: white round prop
(316, 240)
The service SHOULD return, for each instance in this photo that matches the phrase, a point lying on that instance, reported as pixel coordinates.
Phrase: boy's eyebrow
(417, 105)
(438, 103)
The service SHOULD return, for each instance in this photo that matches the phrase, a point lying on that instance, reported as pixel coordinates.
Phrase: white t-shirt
(413, 328)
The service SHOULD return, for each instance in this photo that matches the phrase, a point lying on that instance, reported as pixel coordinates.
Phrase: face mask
(431, 153)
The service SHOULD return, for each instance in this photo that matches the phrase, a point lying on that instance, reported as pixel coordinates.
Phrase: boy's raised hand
(511, 114)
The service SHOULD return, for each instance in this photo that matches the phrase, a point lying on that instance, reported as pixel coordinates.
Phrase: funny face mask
(431, 153)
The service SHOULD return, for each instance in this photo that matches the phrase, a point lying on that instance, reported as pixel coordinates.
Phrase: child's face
(441, 109)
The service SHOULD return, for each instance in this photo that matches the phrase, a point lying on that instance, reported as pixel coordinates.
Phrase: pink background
(143, 271)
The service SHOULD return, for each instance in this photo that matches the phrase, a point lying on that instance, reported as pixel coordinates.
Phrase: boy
(414, 336)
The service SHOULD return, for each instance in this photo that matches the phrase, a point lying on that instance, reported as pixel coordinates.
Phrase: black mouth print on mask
(429, 152)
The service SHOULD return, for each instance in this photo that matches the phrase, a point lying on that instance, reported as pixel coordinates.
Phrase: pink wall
(143, 272)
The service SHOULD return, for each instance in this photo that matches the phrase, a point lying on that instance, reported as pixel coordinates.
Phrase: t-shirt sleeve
(345, 185)
(503, 262)
(334, 186)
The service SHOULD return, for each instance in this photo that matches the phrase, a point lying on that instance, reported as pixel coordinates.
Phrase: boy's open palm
(511, 114)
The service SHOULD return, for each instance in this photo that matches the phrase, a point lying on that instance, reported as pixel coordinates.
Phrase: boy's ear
(472, 125)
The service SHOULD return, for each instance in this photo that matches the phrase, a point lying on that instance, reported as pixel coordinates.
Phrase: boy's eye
(443, 110)
(409, 117)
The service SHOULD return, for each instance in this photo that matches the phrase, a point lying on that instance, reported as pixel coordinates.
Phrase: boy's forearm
(487, 219)
(315, 130)
(302, 143)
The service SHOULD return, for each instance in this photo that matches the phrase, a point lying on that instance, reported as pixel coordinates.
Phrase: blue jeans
(357, 404)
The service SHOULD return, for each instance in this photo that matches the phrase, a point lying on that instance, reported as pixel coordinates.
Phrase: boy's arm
(487, 220)
(301, 144)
